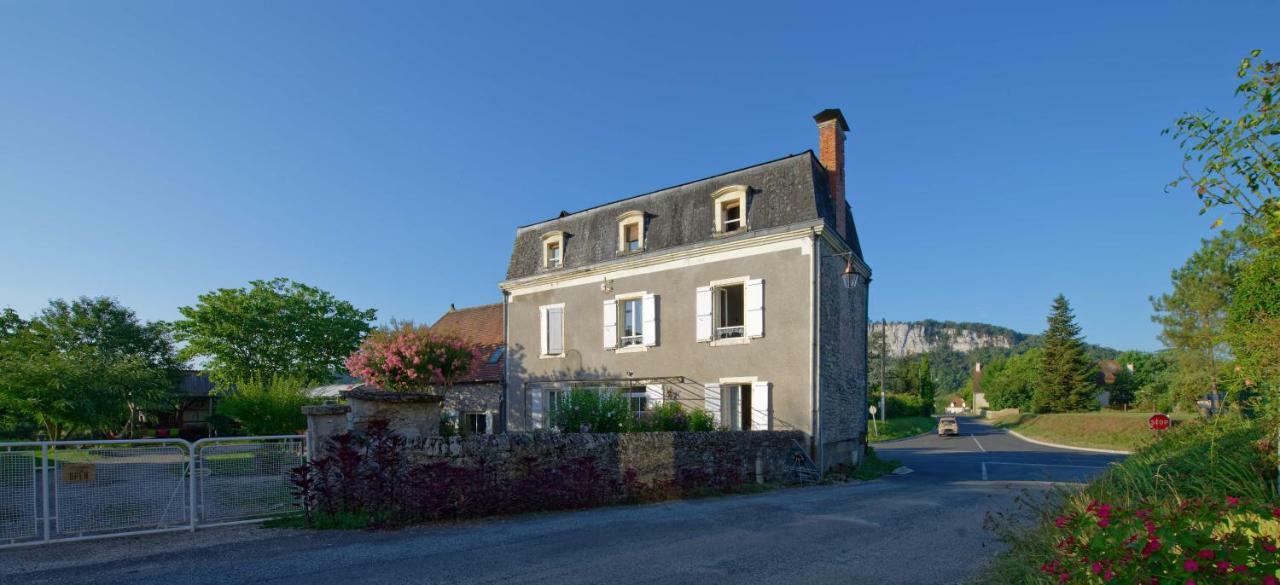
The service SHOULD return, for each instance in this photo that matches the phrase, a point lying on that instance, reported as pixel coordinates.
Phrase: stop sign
(1158, 422)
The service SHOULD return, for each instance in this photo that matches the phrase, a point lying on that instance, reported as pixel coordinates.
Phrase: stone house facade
(743, 294)
(475, 404)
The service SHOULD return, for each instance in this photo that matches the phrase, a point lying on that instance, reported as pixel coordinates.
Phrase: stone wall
(842, 364)
(651, 457)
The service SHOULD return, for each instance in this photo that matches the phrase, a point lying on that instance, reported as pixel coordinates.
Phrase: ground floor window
(475, 423)
(737, 406)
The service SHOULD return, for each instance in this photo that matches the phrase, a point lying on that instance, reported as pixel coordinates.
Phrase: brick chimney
(831, 129)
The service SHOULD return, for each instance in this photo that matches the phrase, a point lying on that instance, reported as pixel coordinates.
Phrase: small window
(731, 211)
(632, 323)
(553, 250)
(553, 405)
(731, 311)
(631, 232)
(497, 355)
(553, 254)
(637, 399)
(475, 423)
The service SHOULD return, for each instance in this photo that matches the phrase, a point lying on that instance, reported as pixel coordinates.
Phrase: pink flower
(1097, 568)
(1151, 547)
(1105, 522)
(1269, 580)
(1240, 568)
(1205, 554)
(1233, 501)
(1190, 566)
(1268, 546)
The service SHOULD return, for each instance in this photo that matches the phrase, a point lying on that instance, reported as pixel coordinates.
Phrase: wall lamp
(849, 275)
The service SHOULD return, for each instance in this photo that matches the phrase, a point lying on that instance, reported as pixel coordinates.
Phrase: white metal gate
(74, 490)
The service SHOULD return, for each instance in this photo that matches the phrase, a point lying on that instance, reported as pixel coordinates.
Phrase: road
(920, 528)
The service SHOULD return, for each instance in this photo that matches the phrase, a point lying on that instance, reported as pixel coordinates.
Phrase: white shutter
(610, 324)
(711, 398)
(536, 414)
(653, 394)
(755, 307)
(649, 306)
(761, 416)
(555, 330)
(703, 305)
(488, 423)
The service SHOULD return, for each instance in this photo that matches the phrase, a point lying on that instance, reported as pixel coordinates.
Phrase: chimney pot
(831, 129)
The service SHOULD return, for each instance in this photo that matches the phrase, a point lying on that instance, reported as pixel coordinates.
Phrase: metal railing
(54, 491)
(728, 332)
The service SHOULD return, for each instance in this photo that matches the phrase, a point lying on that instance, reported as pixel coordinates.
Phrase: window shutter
(555, 330)
(610, 324)
(649, 306)
(754, 293)
(711, 399)
(488, 423)
(761, 416)
(703, 305)
(653, 394)
(536, 414)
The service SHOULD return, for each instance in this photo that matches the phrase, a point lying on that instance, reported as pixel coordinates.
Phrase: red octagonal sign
(1158, 422)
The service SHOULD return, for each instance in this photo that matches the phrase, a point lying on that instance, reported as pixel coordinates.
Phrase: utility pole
(884, 333)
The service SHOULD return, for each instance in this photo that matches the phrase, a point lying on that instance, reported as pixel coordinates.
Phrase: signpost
(1158, 422)
(874, 428)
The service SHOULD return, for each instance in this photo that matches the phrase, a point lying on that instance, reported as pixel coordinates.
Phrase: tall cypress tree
(1064, 369)
(925, 386)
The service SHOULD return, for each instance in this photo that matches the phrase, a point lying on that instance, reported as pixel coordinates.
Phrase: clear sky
(1000, 153)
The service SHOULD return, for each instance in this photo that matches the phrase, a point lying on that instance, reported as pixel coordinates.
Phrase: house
(476, 402)
(743, 294)
(957, 406)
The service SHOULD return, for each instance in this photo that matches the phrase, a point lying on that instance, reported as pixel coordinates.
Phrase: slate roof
(786, 191)
(481, 326)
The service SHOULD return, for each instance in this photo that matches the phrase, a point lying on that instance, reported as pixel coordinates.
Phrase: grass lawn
(1108, 429)
(901, 427)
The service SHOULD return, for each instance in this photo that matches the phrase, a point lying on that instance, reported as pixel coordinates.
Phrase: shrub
(368, 481)
(412, 358)
(671, 416)
(272, 407)
(1203, 486)
(900, 404)
(592, 411)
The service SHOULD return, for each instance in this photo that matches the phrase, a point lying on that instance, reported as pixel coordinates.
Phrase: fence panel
(246, 479)
(118, 487)
(20, 489)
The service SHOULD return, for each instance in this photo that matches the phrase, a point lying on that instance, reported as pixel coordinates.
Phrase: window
(475, 423)
(497, 355)
(631, 232)
(552, 330)
(730, 209)
(632, 323)
(553, 250)
(746, 402)
(730, 311)
(731, 213)
(637, 399)
(553, 405)
(737, 402)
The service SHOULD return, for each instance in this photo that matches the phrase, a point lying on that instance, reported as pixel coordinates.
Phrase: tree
(1064, 369)
(275, 328)
(1253, 320)
(408, 357)
(1238, 159)
(268, 407)
(1192, 316)
(1011, 382)
(926, 387)
(85, 366)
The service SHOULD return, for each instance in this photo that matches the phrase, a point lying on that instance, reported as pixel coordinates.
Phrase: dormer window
(553, 250)
(730, 209)
(631, 232)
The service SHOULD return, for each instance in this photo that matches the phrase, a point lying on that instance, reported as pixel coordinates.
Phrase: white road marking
(984, 463)
(984, 471)
(975, 440)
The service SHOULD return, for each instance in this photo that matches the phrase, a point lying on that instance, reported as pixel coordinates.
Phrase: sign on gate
(74, 490)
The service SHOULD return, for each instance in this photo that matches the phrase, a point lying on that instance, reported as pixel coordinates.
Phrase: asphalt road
(920, 528)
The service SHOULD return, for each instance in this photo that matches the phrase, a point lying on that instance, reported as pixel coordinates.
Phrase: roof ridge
(676, 186)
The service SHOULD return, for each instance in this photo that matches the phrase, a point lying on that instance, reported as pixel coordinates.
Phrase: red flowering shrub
(412, 358)
(1193, 542)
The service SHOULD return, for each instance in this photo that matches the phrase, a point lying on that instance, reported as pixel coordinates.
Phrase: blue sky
(1000, 153)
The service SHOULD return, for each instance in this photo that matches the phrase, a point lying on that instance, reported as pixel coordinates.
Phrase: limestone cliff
(903, 339)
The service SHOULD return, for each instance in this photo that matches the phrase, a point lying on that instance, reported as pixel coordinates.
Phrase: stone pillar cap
(319, 409)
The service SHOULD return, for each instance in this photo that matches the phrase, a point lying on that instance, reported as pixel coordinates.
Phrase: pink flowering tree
(411, 358)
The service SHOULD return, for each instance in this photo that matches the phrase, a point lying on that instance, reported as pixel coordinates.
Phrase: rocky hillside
(905, 339)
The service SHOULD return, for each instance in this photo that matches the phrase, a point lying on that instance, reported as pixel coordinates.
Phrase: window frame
(637, 321)
(552, 240)
(626, 220)
(717, 312)
(727, 197)
(465, 426)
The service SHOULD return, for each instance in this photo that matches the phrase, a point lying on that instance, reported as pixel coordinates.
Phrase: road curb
(891, 441)
(1068, 447)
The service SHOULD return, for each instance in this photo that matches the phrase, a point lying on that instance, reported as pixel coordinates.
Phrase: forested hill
(952, 347)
